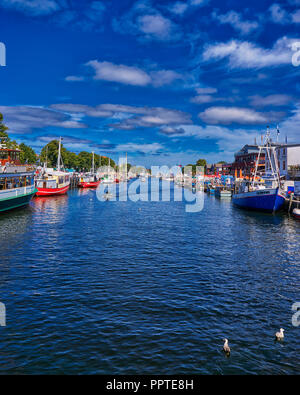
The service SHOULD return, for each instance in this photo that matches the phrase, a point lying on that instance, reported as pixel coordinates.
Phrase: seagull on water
(279, 335)
(226, 347)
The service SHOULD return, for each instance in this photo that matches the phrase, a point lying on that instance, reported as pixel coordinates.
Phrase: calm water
(146, 288)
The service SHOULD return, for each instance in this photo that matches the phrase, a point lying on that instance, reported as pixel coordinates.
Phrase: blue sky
(167, 82)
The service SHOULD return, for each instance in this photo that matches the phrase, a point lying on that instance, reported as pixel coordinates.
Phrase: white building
(288, 156)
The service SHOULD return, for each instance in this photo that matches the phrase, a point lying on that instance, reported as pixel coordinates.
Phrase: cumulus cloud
(119, 73)
(237, 115)
(131, 75)
(247, 55)
(236, 20)
(147, 23)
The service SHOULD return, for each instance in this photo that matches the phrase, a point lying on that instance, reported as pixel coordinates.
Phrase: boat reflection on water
(51, 210)
(44, 203)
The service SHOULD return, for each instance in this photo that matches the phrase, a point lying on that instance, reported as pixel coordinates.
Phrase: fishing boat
(296, 213)
(16, 180)
(89, 180)
(51, 182)
(264, 192)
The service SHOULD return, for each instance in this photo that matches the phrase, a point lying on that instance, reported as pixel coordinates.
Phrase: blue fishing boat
(264, 192)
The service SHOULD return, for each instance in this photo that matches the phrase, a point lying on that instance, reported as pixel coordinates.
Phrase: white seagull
(226, 347)
(279, 335)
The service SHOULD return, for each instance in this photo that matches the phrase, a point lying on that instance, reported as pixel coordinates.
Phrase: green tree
(4, 135)
(27, 154)
(3, 128)
(49, 153)
(201, 162)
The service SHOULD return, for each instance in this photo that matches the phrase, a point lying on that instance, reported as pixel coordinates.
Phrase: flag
(278, 131)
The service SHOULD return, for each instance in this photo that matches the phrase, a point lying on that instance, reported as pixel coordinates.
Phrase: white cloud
(130, 117)
(164, 77)
(32, 7)
(201, 99)
(145, 22)
(233, 115)
(271, 100)
(178, 8)
(247, 55)
(235, 19)
(155, 26)
(119, 73)
(131, 75)
(279, 15)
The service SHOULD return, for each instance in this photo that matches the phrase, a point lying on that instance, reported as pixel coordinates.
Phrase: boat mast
(126, 169)
(93, 163)
(59, 155)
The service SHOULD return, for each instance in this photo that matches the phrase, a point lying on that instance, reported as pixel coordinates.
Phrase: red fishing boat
(50, 182)
(89, 180)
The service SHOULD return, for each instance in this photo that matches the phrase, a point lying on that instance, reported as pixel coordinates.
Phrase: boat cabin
(13, 181)
(8, 155)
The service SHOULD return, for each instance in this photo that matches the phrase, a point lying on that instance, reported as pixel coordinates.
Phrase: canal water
(147, 288)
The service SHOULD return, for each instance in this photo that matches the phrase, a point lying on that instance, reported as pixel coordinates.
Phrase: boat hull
(89, 184)
(15, 202)
(262, 200)
(52, 191)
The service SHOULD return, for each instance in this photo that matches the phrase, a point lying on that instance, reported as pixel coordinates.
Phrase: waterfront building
(245, 162)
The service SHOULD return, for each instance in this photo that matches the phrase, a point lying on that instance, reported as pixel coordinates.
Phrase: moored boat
(89, 180)
(262, 193)
(50, 182)
(222, 192)
(16, 180)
